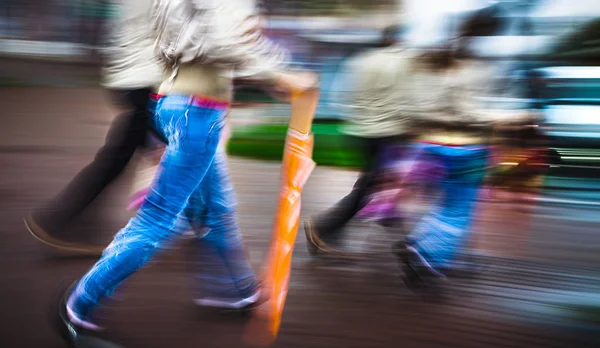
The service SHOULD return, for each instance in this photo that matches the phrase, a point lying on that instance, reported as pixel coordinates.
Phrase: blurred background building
(548, 57)
(560, 39)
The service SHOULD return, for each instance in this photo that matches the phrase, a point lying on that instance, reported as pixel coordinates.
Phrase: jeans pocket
(212, 137)
(203, 132)
(171, 120)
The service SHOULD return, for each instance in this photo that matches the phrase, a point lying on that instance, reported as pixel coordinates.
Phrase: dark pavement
(541, 287)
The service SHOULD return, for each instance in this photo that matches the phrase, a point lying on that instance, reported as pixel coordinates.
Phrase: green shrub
(266, 142)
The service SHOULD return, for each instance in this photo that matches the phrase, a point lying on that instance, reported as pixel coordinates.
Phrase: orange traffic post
(296, 167)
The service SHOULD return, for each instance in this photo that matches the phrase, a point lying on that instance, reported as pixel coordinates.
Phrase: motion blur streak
(528, 276)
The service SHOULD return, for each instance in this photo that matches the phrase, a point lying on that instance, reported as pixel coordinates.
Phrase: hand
(295, 82)
(279, 94)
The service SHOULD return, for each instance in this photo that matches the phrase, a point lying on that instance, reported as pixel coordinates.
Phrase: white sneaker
(228, 303)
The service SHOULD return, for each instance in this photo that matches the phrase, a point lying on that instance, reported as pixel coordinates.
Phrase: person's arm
(232, 36)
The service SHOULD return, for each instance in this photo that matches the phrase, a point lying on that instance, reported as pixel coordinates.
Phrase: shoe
(74, 334)
(230, 304)
(416, 260)
(311, 239)
(68, 330)
(399, 249)
(317, 247)
(418, 276)
(235, 304)
(39, 233)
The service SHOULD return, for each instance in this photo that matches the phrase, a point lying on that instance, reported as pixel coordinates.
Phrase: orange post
(296, 167)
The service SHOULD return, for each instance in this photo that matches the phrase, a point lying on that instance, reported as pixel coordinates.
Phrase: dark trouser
(126, 133)
(329, 225)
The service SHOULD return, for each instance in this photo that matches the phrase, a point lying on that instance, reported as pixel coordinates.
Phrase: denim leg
(224, 271)
(440, 235)
(193, 135)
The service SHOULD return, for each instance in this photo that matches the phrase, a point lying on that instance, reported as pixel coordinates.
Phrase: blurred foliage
(582, 45)
(332, 148)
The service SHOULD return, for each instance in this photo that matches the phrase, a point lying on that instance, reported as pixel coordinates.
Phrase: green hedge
(332, 148)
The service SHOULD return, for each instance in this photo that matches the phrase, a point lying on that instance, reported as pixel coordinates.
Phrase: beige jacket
(131, 59)
(459, 106)
(376, 92)
(202, 42)
(391, 93)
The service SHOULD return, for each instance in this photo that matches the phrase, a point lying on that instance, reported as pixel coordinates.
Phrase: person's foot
(419, 275)
(421, 264)
(259, 297)
(399, 249)
(311, 241)
(42, 235)
(64, 327)
(316, 246)
(74, 334)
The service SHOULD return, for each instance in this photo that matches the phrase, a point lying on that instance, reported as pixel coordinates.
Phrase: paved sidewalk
(540, 288)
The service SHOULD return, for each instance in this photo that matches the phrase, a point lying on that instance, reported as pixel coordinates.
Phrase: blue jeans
(440, 235)
(191, 190)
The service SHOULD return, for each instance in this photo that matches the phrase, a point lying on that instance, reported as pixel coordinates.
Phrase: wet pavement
(540, 286)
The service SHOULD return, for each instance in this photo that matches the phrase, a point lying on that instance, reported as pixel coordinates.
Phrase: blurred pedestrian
(378, 118)
(131, 73)
(201, 43)
(455, 125)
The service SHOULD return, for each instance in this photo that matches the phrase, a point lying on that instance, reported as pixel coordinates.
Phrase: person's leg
(125, 135)
(224, 278)
(382, 206)
(439, 236)
(193, 135)
(328, 225)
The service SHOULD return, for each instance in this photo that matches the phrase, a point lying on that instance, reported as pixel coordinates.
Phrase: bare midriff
(200, 80)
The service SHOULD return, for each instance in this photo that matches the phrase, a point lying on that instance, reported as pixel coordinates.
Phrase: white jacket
(377, 93)
(215, 33)
(131, 60)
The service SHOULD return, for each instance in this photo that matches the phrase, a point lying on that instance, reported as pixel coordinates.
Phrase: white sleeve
(229, 38)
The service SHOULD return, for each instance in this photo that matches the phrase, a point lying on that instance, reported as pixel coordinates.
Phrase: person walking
(201, 43)
(132, 72)
(454, 122)
(377, 120)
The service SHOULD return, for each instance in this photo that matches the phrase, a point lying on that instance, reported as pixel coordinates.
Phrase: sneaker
(231, 304)
(419, 275)
(316, 245)
(75, 334)
(235, 304)
(43, 236)
(312, 240)
(416, 260)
